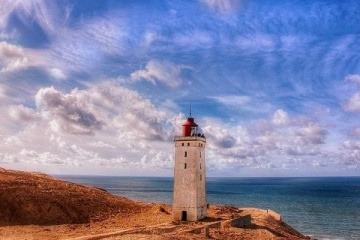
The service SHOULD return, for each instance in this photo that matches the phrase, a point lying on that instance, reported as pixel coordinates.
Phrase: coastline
(150, 220)
(321, 207)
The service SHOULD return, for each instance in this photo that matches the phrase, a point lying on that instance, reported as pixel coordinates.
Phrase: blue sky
(102, 87)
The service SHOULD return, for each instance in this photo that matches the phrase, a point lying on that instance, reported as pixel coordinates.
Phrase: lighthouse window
(200, 154)
(188, 144)
(182, 144)
(200, 165)
(185, 155)
(200, 177)
(185, 166)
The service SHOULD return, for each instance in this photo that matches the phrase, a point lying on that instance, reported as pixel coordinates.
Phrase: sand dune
(35, 198)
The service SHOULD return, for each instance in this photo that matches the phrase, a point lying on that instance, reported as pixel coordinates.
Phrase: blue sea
(323, 208)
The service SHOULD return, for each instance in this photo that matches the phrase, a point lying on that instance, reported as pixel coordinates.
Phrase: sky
(102, 87)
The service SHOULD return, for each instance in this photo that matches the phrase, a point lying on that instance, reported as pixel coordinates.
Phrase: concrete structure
(240, 222)
(189, 199)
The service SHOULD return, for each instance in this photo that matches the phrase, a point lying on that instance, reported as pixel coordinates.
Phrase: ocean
(323, 208)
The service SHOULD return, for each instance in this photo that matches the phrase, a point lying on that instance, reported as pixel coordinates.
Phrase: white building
(189, 199)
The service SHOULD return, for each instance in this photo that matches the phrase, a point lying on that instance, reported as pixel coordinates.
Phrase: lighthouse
(189, 198)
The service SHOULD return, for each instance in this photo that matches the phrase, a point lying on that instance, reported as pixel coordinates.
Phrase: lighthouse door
(183, 216)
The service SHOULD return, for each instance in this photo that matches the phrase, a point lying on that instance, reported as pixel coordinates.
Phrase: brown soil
(35, 198)
(37, 206)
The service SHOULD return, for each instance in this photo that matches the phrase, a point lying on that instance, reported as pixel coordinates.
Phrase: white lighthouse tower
(189, 199)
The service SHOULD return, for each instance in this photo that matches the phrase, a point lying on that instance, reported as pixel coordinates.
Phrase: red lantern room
(189, 128)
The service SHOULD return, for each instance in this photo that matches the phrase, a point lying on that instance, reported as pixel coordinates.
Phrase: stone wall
(241, 222)
(244, 221)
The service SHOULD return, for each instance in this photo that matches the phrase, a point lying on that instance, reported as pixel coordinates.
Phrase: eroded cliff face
(35, 198)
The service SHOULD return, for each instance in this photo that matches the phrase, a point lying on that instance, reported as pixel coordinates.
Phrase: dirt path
(133, 230)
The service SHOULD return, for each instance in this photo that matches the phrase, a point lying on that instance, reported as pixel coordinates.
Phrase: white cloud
(8, 158)
(350, 153)
(13, 141)
(280, 117)
(353, 145)
(3, 93)
(68, 112)
(149, 38)
(57, 74)
(44, 158)
(302, 151)
(130, 130)
(15, 117)
(122, 127)
(233, 100)
(353, 78)
(164, 72)
(103, 108)
(157, 159)
(312, 133)
(353, 105)
(222, 6)
(6, 9)
(29, 153)
(43, 12)
(355, 132)
(8, 35)
(101, 144)
(272, 147)
(21, 113)
(12, 57)
(219, 136)
(228, 144)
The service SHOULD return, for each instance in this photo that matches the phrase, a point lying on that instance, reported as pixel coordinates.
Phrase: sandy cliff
(37, 206)
(35, 198)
